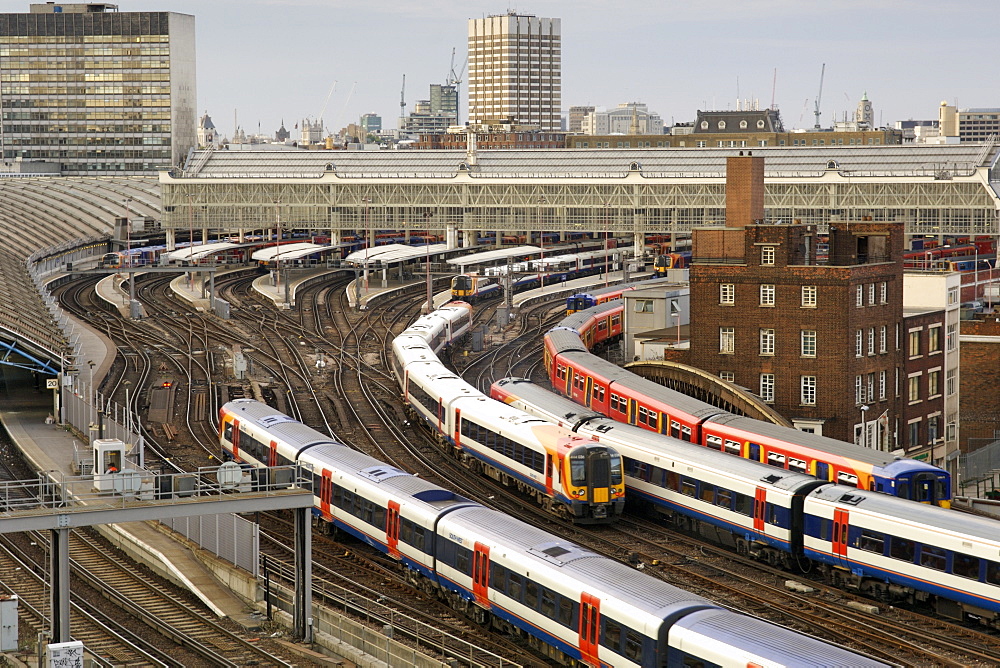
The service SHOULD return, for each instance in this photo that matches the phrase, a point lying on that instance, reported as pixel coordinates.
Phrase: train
(565, 473)
(620, 394)
(564, 601)
(534, 273)
(889, 548)
(667, 261)
(581, 301)
(927, 257)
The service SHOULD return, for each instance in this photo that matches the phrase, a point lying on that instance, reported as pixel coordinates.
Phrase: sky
(264, 61)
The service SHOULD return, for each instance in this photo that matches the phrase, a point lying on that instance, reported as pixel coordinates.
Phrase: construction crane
(454, 79)
(819, 96)
(402, 99)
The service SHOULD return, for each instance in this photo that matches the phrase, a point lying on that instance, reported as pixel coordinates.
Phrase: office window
(728, 376)
(767, 255)
(727, 340)
(881, 340)
(884, 292)
(643, 305)
(871, 294)
(871, 340)
(933, 383)
(809, 296)
(860, 300)
(859, 343)
(767, 295)
(949, 382)
(913, 392)
(859, 391)
(934, 339)
(914, 433)
(914, 344)
(767, 342)
(952, 296)
(727, 293)
(767, 387)
(808, 343)
(809, 390)
(950, 338)
(881, 384)
(871, 386)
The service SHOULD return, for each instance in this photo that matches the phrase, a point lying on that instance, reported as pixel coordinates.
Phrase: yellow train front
(592, 482)
(473, 288)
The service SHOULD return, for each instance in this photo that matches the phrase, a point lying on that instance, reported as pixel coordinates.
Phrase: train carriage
(900, 551)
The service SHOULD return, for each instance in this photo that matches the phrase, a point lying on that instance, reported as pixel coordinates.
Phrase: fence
(980, 468)
(230, 537)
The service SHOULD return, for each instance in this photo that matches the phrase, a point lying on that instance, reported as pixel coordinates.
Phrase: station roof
(198, 251)
(375, 253)
(812, 161)
(493, 255)
(289, 251)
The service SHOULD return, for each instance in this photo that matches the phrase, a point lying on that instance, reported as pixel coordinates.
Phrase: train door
(925, 488)
(481, 574)
(236, 439)
(759, 508)
(753, 451)
(549, 461)
(325, 494)
(392, 528)
(631, 411)
(841, 522)
(588, 390)
(822, 470)
(440, 415)
(590, 627)
(272, 454)
(458, 428)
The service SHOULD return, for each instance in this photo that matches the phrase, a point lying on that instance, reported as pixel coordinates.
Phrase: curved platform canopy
(47, 212)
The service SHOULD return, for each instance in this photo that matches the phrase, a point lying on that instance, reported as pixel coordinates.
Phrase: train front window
(578, 470)
(616, 469)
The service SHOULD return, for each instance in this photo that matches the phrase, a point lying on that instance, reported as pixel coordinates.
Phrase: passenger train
(584, 300)
(892, 549)
(535, 273)
(564, 472)
(566, 602)
(620, 394)
(667, 261)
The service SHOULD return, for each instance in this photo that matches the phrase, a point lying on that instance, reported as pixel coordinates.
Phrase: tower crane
(454, 79)
(819, 96)
(402, 99)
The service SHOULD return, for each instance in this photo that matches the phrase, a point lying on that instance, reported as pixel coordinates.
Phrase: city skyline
(676, 59)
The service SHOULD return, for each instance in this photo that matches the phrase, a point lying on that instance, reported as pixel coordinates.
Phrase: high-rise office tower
(97, 90)
(515, 70)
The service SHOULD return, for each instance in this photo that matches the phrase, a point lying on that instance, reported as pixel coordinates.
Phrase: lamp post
(607, 268)
(975, 284)
(427, 259)
(190, 240)
(864, 426)
(541, 240)
(367, 201)
(90, 395)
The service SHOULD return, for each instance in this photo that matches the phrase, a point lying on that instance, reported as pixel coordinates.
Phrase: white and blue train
(891, 548)
(565, 473)
(566, 602)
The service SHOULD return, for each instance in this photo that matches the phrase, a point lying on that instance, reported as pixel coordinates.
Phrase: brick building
(812, 329)
(923, 384)
(980, 400)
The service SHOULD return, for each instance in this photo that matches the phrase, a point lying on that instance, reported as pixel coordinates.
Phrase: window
(767, 387)
(728, 376)
(727, 293)
(934, 339)
(767, 342)
(809, 296)
(643, 305)
(933, 557)
(760, 124)
(727, 340)
(900, 548)
(871, 386)
(950, 338)
(767, 255)
(884, 292)
(743, 125)
(871, 294)
(860, 301)
(932, 429)
(871, 340)
(767, 295)
(859, 391)
(914, 344)
(808, 337)
(871, 541)
(809, 390)
(722, 125)
(913, 393)
(949, 382)
(965, 566)
(859, 343)
(881, 384)
(952, 296)
(933, 383)
(881, 341)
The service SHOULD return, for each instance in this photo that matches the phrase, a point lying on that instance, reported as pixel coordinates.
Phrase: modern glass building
(96, 90)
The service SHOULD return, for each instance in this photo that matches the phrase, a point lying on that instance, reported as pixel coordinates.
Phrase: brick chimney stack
(744, 190)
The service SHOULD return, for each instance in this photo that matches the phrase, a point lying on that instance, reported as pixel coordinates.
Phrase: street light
(90, 394)
(864, 426)
(541, 240)
(607, 268)
(367, 201)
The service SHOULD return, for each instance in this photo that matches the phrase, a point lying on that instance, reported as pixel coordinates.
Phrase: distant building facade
(497, 137)
(969, 125)
(515, 70)
(371, 123)
(576, 116)
(96, 90)
(630, 118)
(207, 135)
(282, 134)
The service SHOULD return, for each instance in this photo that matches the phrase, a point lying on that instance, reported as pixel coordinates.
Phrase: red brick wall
(979, 400)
